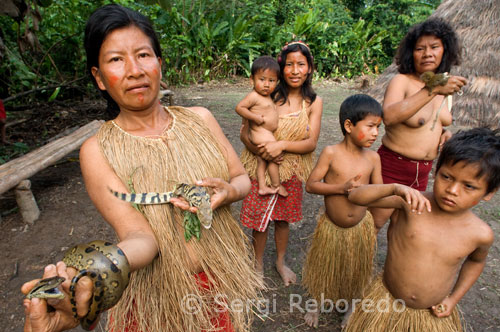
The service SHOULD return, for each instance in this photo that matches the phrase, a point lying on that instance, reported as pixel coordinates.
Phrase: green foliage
(396, 17)
(204, 40)
(11, 151)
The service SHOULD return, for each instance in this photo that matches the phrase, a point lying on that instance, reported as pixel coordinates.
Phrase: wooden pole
(26, 202)
(14, 171)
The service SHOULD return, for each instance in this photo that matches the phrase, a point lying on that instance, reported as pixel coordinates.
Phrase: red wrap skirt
(222, 322)
(399, 169)
(258, 210)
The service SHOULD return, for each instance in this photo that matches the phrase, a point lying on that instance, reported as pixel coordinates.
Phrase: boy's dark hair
(263, 63)
(100, 24)
(281, 91)
(356, 107)
(478, 145)
(431, 27)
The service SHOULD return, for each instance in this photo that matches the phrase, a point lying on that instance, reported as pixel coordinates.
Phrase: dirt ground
(68, 217)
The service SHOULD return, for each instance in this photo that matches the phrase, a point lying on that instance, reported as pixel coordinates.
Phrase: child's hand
(259, 120)
(443, 309)
(352, 184)
(414, 198)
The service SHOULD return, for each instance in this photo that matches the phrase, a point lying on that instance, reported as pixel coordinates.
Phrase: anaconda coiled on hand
(108, 268)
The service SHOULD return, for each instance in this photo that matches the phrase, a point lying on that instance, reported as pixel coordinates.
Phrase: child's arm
(315, 184)
(244, 106)
(392, 195)
(469, 273)
(376, 176)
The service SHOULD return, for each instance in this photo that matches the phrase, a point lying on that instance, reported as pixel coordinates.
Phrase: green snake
(105, 264)
(196, 196)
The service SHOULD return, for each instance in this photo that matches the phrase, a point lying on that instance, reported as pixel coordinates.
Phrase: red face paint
(112, 80)
(361, 136)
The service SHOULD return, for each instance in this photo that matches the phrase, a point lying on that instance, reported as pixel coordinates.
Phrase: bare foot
(288, 276)
(311, 318)
(265, 190)
(282, 191)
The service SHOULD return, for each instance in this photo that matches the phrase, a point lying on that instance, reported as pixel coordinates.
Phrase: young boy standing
(429, 237)
(339, 261)
(259, 109)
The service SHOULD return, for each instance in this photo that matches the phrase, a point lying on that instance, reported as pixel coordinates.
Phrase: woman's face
(427, 54)
(128, 69)
(296, 69)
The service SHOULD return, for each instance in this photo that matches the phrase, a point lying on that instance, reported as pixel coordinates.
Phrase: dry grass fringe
(187, 152)
(292, 127)
(340, 260)
(409, 320)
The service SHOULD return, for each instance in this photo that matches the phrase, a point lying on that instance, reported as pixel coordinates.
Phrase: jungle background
(42, 58)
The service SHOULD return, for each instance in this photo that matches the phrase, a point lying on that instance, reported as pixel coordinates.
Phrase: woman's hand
(37, 317)
(271, 150)
(445, 135)
(454, 84)
(220, 191)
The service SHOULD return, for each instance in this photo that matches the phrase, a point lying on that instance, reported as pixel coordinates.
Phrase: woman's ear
(348, 126)
(97, 76)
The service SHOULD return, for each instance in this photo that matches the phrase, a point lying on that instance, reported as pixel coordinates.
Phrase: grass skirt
(340, 260)
(165, 295)
(389, 315)
(291, 127)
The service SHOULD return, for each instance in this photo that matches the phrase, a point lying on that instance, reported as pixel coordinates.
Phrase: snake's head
(47, 289)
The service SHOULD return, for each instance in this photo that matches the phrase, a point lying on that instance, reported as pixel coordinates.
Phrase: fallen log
(14, 171)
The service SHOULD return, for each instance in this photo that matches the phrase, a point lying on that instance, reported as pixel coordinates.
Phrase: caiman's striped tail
(144, 198)
(197, 196)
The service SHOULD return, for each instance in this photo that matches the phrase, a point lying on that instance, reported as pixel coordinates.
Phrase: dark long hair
(100, 24)
(281, 91)
(432, 27)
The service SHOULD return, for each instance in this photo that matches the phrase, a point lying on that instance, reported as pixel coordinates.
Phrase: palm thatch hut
(476, 23)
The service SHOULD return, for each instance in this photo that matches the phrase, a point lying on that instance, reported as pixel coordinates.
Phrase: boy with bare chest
(430, 235)
(339, 263)
(259, 109)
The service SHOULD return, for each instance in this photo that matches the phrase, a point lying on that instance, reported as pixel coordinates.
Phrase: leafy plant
(11, 151)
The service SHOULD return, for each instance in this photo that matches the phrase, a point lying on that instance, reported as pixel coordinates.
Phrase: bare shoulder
(330, 151)
(373, 156)
(400, 79)
(482, 231)
(203, 112)
(318, 102)
(89, 147)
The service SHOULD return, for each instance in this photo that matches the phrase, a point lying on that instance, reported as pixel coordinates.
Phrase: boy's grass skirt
(340, 260)
(386, 314)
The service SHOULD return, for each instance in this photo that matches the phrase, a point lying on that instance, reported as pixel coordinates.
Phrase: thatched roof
(477, 25)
